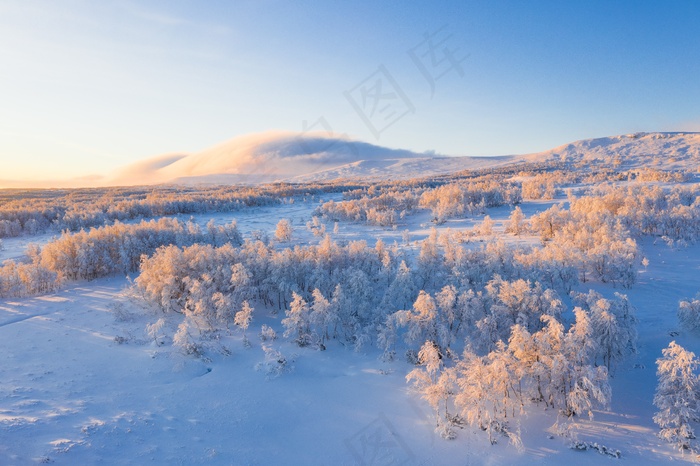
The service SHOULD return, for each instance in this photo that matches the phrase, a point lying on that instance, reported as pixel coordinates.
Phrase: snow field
(71, 394)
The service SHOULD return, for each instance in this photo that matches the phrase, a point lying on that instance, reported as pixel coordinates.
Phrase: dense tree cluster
(512, 332)
(376, 206)
(677, 396)
(517, 352)
(99, 252)
(595, 235)
(334, 290)
(516, 345)
(32, 212)
(545, 185)
(388, 205)
(26, 279)
(644, 210)
(654, 174)
(467, 198)
(592, 241)
(552, 366)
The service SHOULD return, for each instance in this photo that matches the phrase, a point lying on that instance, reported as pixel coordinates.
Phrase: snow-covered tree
(609, 336)
(275, 363)
(297, 322)
(516, 222)
(284, 230)
(185, 341)
(267, 333)
(154, 330)
(240, 281)
(588, 387)
(689, 313)
(387, 336)
(486, 226)
(553, 363)
(450, 317)
(475, 396)
(200, 306)
(435, 384)
(430, 269)
(500, 365)
(403, 289)
(547, 223)
(420, 321)
(614, 326)
(322, 317)
(242, 319)
(223, 309)
(527, 368)
(677, 395)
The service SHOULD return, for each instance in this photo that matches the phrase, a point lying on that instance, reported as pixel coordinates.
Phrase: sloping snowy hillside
(668, 151)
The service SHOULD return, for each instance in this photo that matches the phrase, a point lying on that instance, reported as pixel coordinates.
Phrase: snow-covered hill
(278, 156)
(669, 151)
(262, 157)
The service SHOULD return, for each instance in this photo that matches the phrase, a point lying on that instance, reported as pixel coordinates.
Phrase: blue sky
(86, 87)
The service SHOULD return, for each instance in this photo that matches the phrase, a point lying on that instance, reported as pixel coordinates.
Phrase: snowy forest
(505, 300)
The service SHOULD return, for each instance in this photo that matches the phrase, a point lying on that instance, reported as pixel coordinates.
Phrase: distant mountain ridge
(294, 157)
(666, 150)
(280, 156)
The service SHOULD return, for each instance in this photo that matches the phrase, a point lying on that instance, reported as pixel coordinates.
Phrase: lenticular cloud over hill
(254, 158)
(288, 156)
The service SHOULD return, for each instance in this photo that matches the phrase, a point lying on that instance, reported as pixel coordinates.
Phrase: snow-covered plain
(70, 394)
(83, 384)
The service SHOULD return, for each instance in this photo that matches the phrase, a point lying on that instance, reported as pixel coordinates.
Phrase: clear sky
(88, 86)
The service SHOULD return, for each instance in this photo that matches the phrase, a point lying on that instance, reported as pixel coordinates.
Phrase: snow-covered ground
(81, 384)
